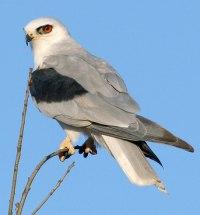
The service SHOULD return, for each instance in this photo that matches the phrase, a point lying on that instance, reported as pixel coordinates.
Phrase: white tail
(132, 161)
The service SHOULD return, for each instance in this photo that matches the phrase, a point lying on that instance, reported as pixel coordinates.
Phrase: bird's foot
(87, 148)
(66, 144)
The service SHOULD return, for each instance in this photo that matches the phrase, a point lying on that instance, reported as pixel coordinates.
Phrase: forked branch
(27, 188)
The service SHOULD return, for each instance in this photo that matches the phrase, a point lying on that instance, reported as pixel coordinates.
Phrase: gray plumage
(105, 111)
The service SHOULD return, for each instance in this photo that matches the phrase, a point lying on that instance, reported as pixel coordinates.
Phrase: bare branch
(19, 149)
(27, 188)
(54, 189)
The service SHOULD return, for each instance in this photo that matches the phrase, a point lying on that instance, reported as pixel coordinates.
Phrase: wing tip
(161, 135)
(184, 145)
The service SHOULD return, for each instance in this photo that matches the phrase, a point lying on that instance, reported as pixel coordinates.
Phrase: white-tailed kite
(84, 94)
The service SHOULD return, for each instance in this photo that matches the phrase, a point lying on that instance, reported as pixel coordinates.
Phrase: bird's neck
(43, 49)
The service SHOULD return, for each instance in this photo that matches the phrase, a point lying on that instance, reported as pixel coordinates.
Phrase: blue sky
(155, 47)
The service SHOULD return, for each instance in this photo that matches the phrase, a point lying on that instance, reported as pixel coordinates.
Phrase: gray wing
(97, 77)
(106, 108)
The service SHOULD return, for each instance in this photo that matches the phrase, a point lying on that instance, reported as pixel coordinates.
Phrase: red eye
(47, 28)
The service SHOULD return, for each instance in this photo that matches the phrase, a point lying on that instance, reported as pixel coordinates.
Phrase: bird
(86, 95)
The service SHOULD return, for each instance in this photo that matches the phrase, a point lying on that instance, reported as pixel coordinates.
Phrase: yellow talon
(66, 144)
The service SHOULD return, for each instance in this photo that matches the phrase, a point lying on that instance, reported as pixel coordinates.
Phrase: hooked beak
(28, 39)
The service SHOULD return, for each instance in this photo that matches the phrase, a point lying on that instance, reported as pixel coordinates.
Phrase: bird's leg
(66, 143)
(87, 148)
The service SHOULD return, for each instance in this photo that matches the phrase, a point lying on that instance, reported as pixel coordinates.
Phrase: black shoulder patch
(47, 85)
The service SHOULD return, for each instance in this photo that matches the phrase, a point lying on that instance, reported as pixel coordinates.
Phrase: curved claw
(64, 155)
(87, 148)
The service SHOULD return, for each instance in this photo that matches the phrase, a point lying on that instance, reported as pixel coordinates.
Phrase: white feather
(133, 162)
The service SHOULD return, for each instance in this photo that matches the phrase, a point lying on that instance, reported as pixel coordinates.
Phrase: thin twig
(19, 149)
(31, 178)
(54, 189)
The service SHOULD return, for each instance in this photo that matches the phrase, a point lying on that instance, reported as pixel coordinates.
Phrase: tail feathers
(132, 161)
(156, 133)
(147, 151)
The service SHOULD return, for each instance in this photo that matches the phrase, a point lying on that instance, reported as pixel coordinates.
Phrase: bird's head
(45, 30)
(46, 36)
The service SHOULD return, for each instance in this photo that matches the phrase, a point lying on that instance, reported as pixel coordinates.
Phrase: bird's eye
(45, 29)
